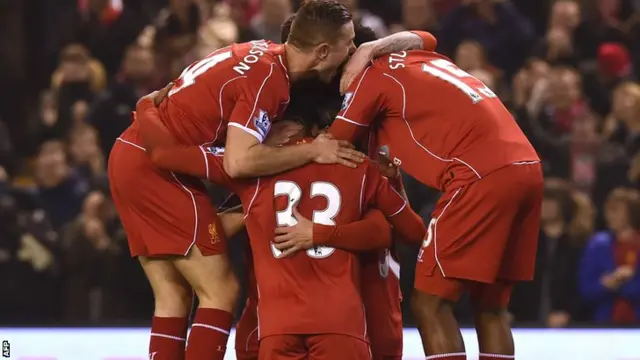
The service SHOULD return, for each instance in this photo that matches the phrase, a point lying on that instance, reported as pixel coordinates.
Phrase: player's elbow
(156, 157)
(236, 167)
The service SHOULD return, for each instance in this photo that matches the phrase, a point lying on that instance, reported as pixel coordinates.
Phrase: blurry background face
(565, 14)
(469, 56)
(138, 64)
(83, 145)
(616, 215)
(275, 12)
(417, 14)
(51, 164)
(564, 89)
(626, 104)
(550, 210)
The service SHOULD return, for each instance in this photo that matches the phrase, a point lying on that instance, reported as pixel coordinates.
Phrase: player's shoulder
(405, 59)
(258, 57)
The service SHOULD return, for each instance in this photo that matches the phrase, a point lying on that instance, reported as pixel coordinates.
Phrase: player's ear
(322, 51)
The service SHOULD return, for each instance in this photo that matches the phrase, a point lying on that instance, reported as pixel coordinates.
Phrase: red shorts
(381, 297)
(162, 214)
(247, 333)
(484, 232)
(313, 347)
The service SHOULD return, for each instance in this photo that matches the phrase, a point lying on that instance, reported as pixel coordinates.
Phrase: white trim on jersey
(250, 131)
(404, 117)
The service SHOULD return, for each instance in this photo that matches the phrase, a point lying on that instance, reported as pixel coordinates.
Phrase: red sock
(454, 356)
(209, 334)
(496, 357)
(168, 336)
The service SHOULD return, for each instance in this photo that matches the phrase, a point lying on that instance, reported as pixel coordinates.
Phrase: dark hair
(318, 21)
(285, 29)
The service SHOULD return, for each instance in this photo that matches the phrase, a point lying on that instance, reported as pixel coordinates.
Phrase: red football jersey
(441, 125)
(243, 85)
(317, 291)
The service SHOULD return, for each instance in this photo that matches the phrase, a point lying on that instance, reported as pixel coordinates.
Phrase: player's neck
(298, 63)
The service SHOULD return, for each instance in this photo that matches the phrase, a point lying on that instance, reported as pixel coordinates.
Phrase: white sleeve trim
(355, 92)
(350, 121)
(250, 131)
(404, 205)
(206, 161)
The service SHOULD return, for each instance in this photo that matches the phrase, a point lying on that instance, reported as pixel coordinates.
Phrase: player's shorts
(247, 333)
(381, 297)
(162, 213)
(313, 347)
(485, 232)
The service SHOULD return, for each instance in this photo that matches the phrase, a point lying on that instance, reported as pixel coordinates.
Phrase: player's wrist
(311, 151)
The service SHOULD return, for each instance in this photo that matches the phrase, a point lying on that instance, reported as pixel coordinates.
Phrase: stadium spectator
(101, 282)
(609, 276)
(553, 297)
(61, 190)
(367, 19)
(267, 22)
(111, 111)
(480, 20)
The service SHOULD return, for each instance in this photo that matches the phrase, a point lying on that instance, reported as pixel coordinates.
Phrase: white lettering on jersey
(396, 60)
(258, 49)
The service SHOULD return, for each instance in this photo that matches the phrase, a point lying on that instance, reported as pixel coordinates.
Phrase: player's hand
(624, 273)
(360, 59)
(282, 131)
(291, 239)
(610, 281)
(331, 151)
(387, 167)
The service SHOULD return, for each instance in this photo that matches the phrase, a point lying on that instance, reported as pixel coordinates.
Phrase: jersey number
(191, 72)
(449, 72)
(325, 217)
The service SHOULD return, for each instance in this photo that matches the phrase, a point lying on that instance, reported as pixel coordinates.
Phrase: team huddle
(321, 197)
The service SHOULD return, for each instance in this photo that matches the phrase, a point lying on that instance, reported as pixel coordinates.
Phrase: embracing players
(228, 98)
(451, 132)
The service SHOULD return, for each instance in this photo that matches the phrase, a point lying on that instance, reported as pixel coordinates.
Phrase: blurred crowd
(72, 70)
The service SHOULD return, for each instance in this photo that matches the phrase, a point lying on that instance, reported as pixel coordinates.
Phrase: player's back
(316, 291)
(227, 86)
(445, 120)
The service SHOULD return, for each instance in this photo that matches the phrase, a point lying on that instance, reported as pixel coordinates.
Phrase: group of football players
(276, 125)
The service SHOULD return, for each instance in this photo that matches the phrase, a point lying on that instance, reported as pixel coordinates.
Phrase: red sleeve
(258, 100)
(380, 193)
(362, 102)
(370, 233)
(429, 42)
(163, 149)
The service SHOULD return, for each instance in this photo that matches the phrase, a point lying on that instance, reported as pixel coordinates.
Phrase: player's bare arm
(245, 156)
(370, 233)
(232, 221)
(404, 40)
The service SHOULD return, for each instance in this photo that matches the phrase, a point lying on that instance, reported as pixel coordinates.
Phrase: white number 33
(325, 217)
